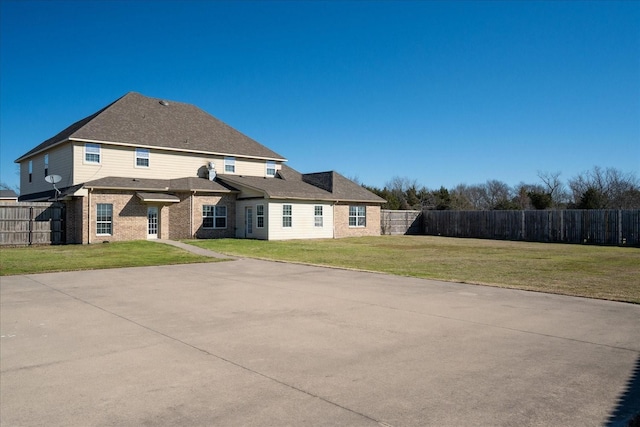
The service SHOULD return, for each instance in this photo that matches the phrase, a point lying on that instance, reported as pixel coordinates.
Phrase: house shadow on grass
(627, 411)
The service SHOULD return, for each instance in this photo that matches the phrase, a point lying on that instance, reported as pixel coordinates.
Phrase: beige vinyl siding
(249, 167)
(60, 163)
(258, 233)
(121, 161)
(249, 193)
(302, 218)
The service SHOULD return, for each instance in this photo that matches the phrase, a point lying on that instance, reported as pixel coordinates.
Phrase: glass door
(249, 221)
(152, 222)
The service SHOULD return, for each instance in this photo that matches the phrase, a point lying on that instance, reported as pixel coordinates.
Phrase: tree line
(597, 188)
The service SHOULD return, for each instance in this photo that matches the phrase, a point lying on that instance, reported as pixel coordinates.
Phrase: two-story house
(144, 168)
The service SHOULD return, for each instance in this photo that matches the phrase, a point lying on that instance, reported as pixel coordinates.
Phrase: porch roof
(157, 198)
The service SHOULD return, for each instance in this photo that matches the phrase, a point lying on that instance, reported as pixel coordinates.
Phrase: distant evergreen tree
(540, 200)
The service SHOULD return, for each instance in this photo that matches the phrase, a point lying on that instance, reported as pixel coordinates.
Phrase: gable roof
(141, 121)
(291, 184)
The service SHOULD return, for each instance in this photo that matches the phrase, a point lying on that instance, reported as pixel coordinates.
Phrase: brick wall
(129, 216)
(179, 218)
(228, 200)
(341, 221)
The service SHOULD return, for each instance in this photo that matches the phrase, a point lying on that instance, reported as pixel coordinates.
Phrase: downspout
(193, 196)
(334, 218)
(89, 217)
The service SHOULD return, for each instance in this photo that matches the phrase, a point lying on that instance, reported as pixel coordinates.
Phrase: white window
(30, 170)
(271, 168)
(92, 153)
(260, 216)
(357, 216)
(214, 216)
(230, 164)
(104, 219)
(46, 164)
(142, 158)
(317, 218)
(286, 215)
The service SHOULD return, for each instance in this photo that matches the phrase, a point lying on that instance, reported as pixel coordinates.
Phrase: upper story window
(46, 164)
(317, 216)
(142, 158)
(230, 165)
(286, 215)
(260, 216)
(30, 170)
(357, 216)
(92, 153)
(271, 168)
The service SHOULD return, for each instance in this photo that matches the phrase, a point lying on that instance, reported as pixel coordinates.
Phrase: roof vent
(163, 102)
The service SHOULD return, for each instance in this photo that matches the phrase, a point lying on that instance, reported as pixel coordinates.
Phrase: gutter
(89, 217)
(48, 147)
(127, 188)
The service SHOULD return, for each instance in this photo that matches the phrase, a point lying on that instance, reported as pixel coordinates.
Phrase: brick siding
(341, 221)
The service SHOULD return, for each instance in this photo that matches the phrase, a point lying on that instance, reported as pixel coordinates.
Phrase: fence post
(30, 226)
(619, 222)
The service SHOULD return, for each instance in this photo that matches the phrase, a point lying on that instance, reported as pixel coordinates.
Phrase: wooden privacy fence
(601, 227)
(31, 224)
(400, 222)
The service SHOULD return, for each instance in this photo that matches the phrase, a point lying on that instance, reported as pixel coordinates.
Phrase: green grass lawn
(591, 271)
(40, 259)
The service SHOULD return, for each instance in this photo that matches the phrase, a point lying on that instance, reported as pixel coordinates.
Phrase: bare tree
(461, 198)
(5, 186)
(405, 190)
(613, 188)
(497, 193)
(554, 187)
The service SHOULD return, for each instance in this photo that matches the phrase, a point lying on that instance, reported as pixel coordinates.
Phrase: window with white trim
(357, 216)
(271, 168)
(287, 216)
(230, 165)
(317, 216)
(30, 170)
(260, 216)
(214, 216)
(142, 158)
(104, 219)
(46, 164)
(92, 153)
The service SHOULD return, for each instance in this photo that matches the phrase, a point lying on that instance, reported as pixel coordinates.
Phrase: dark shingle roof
(180, 184)
(8, 194)
(142, 121)
(291, 184)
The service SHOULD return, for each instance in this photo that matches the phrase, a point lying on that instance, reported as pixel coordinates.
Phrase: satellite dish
(54, 179)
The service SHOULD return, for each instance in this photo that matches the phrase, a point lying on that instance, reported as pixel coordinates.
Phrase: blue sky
(438, 92)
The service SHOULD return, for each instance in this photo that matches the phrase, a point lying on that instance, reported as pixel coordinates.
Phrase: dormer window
(142, 158)
(92, 153)
(230, 165)
(271, 168)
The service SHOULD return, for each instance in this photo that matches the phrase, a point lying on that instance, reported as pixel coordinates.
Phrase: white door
(248, 211)
(152, 222)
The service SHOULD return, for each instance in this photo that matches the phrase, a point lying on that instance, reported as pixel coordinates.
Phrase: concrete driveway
(257, 343)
